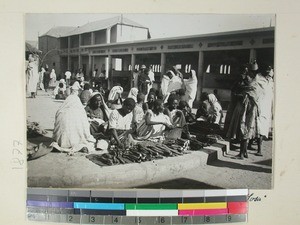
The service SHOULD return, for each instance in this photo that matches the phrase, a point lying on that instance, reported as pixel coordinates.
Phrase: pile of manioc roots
(146, 151)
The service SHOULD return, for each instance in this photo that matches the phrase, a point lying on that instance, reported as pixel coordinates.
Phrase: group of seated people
(90, 121)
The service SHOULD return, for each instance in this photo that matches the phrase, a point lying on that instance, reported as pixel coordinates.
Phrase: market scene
(108, 106)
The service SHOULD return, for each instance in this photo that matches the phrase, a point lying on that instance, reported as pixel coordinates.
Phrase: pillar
(200, 73)
(69, 57)
(108, 73)
(108, 35)
(79, 61)
(133, 59)
(252, 55)
(79, 40)
(92, 38)
(163, 63)
(90, 69)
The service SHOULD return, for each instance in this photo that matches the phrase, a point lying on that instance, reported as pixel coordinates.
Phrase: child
(61, 92)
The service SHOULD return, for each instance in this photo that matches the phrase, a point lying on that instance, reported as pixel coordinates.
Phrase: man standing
(46, 78)
(144, 81)
(68, 77)
(151, 77)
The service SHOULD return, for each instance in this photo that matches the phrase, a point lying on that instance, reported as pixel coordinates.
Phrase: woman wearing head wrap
(244, 123)
(71, 128)
(41, 78)
(133, 94)
(60, 87)
(96, 114)
(190, 88)
(215, 111)
(115, 98)
(32, 76)
(52, 82)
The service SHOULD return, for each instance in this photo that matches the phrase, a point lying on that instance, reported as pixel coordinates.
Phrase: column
(108, 73)
(108, 35)
(163, 63)
(69, 63)
(133, 57)
(200, 73)
(79, 61)
(90, 69)
(79, 40)
(92, 38)
(69, 57)
(252, 56)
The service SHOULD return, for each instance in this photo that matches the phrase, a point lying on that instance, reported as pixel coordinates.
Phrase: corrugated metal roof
(58, 31)
(102, 24)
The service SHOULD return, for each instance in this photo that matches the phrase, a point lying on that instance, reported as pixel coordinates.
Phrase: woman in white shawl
(191, 88)
(32, 76)
(41, 78)
(57, 88)
(52, 82)
(114, 97)
(215, 111)
(71, 128)
(133, 94)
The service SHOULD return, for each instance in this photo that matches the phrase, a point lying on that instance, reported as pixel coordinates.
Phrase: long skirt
(243, 124)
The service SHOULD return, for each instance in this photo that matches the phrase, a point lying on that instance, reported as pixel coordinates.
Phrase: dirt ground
(224, 172)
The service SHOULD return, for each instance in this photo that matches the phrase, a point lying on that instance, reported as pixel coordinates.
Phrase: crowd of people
(93, 117)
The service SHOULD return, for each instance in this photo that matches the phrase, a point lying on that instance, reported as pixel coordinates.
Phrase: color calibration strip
(137, 206)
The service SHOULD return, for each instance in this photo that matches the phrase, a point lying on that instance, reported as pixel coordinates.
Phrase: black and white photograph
(173, 101)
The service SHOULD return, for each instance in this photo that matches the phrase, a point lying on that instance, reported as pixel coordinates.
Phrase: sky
(160, 25)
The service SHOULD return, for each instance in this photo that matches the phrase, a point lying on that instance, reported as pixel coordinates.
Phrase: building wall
(99, 63)
(128, 33)
(86, 39)
(75, 41)
(50, 53)
(100, 37)
(113, 34)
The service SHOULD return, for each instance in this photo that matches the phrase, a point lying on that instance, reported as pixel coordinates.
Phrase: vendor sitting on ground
(85, 95)
(187, 111)
(155, 122)
(115, 97)
(96, 114)
(209, 115)
(176, 116)
(150, 101)
(59, 91)
(120, 124)
(138, 112)
(71, 129)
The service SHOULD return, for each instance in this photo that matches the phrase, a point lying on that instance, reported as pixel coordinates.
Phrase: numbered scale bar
(137, 207)
(132, 220)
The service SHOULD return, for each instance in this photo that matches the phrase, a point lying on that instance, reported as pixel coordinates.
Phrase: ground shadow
(42, 147)
(40, 139)
(267, 162)
(234, 165)
(180, 183)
